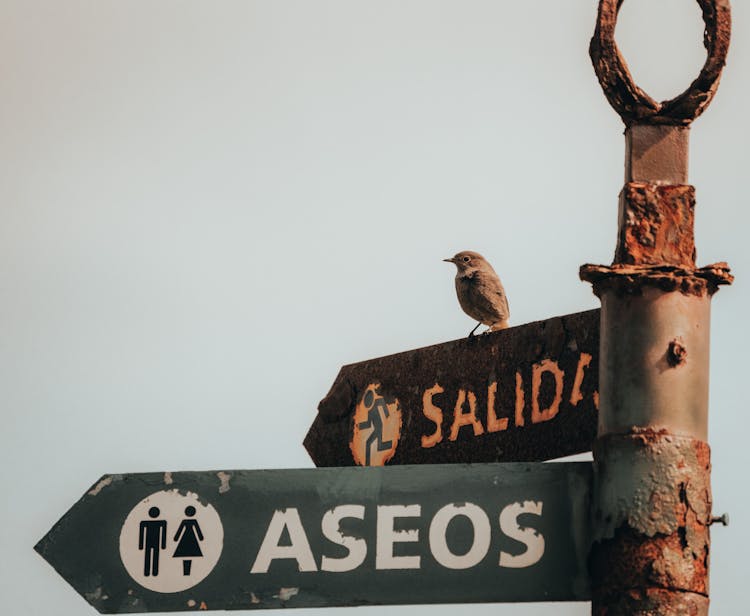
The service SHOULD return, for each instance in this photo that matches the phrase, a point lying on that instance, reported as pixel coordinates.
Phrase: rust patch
(669, 472)
(676, 353)
(631, 102)
(631, 279)
(656, 225)
(652, 504)
(669, 562)
(649, 436)
(651, 602)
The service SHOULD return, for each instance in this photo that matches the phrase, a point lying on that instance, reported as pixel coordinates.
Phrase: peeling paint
(224, 479)
(651, 512)
(254, 598)
(639, 478)
(97, 595)
(286, 593)
(103, 483)
(168, 478)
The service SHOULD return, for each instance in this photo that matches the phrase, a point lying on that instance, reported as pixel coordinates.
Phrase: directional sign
(327, 537)
(527, 393)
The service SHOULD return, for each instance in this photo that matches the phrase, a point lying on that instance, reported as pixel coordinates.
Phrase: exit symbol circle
(377, 427)
(171, 541)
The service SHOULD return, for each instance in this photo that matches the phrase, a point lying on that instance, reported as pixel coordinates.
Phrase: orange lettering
(493, 423)
(576, 396)
(546, 365)
(520, 399)
(465, 419)
(434, 414)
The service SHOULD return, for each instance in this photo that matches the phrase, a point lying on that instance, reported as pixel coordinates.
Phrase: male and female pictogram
(171, 541)
(152, 538)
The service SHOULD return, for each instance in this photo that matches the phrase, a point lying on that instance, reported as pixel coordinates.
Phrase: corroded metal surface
(632, 279)
(651, 496)
(652, 602)
(527, 393)
(652, 511)
(667, 473)
(656, 245)
(656, 225)
(631, 102)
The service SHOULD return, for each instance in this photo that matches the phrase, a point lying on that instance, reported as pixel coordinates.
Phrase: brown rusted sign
(528, 393)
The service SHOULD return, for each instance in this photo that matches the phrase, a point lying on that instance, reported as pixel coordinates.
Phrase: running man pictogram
(377, 428)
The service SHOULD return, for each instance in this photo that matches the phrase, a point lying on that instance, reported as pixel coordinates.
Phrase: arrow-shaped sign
(527, 393)
(327, 537)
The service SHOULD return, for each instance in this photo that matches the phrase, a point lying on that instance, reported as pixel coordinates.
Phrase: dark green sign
(327, 537)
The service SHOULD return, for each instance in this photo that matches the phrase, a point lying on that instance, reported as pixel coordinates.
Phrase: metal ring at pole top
(633, 104)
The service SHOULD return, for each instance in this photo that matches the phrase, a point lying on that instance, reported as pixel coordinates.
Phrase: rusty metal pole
(651, 506)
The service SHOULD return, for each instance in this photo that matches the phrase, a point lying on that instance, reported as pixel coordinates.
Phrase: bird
(480, 292)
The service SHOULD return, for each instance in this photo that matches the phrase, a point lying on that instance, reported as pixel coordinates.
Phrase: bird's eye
(467, 259)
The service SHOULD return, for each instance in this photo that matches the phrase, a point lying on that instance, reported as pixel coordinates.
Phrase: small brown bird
(480, 291)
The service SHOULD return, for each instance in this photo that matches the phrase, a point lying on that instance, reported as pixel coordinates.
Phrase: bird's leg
(471, 333)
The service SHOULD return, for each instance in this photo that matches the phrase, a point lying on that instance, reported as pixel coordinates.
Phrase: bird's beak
(451, 260)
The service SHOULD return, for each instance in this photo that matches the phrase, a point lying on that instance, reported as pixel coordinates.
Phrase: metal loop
(633, 104)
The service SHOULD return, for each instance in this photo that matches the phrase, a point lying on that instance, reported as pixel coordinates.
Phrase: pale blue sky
(206, 208)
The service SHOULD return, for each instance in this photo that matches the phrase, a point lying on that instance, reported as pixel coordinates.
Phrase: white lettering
(479, 546)
(533, 540)
(387, 536)
(271, 550)
(357, 548)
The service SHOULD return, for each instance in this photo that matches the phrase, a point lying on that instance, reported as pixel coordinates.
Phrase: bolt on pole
(651, 504)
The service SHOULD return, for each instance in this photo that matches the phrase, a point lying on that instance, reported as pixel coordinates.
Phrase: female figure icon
(188, 535)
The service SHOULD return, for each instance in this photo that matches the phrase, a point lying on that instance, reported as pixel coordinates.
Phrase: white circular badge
(171, 541)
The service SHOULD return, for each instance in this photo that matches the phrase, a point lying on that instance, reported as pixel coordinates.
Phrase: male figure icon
(152, 537)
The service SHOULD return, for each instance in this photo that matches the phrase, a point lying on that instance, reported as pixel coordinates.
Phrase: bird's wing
(504, 301)
(494, 297)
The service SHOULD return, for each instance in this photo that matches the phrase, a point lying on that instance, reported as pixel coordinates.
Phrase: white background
(206, 208)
